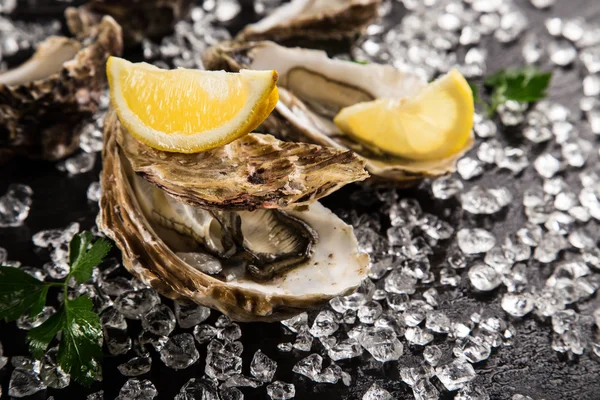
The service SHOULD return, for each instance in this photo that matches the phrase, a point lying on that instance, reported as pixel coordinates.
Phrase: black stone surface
(528, 367)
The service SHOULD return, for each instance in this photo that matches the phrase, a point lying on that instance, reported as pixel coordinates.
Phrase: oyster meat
(314, 88)
(140, 19)
(237, 228)
(44, 100)
(313, 19)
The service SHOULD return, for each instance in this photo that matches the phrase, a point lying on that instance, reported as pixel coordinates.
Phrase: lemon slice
(189, 111)
(432, 125)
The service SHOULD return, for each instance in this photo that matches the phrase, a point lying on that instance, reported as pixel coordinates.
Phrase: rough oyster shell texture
(268, 173)
(313, 19)
(140, 19)
(42, 118)
(147, 256)
(313, 88)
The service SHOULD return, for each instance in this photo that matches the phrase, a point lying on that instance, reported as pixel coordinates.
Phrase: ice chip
(179, 352)
(262, 367)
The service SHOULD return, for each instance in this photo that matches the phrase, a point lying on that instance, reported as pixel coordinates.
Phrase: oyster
(313, 19)
(237, 228)
(312, 90)
(293, 175)
(44, 100)
(140, 19)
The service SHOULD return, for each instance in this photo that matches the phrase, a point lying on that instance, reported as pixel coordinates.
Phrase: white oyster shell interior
(314, 87)
(335, 264)
(301, 9)
(341, 82)
(47, 60)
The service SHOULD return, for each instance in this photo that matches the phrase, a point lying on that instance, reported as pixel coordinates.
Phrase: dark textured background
(527, 367)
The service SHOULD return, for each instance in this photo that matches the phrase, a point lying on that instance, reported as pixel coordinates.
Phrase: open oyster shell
(312, 90)
(44, 100)
(313, 19)
(140, 19)
(309, 255)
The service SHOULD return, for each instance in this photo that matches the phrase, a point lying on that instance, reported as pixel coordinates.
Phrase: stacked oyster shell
(237, 228)
(313, 19)
(44, 101)
(151, 19)
(314, 88)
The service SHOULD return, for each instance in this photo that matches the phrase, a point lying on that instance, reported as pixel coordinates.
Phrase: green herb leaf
(475, 91)
(495, 80)
(38, 306)
(81, 344)
(20, 292)
(86, 259)
(79, 245)
(39, 338)
(80, 347)
(525, 85)
(360, 62)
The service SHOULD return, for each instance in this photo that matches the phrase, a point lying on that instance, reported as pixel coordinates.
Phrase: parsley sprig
(80, 347)
(525, 85)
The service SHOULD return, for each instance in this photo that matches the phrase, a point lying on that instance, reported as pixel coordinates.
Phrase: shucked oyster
(44, 100)
(313, 19)
(139, 18)
(236, 228)
(314, 88)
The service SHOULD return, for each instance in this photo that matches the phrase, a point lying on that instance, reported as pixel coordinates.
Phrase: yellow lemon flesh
(432, 125)
(189, 111)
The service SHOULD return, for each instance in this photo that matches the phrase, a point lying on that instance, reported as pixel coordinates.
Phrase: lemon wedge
(189, 111)
(432, 125)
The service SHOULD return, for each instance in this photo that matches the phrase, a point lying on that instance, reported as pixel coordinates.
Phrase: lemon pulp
(177, 101)
(433, 125)
(189, 110)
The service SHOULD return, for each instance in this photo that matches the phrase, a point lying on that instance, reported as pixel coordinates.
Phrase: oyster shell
(313, 19)
(266, 264)
(44, 100)
(268, 173)
(312, 90)
(140, 19)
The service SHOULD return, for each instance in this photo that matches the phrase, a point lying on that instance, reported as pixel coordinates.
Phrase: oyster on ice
(237, 228)
(313, 19)
(314, 88)
(44, 100)
(140, 19)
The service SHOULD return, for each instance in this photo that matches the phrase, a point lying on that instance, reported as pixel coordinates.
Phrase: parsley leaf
(39, 338)
(39, 304)
(80, 346)
(78, 245)
(83, 260)
(20, 292)
(525, 85)
(81, 343)
(475, 90)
